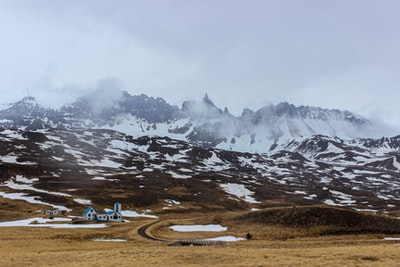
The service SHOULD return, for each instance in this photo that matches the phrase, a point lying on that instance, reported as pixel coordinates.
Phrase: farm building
(115, 215)
(90, 214)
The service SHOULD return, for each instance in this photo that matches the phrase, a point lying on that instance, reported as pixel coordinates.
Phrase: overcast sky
(334, 53)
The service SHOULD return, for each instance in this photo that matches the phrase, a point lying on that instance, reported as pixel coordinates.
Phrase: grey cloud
(105, 95)
(340, 54)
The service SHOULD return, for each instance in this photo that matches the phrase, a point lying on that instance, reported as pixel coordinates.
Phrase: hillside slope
(335, 220)
(70, 169)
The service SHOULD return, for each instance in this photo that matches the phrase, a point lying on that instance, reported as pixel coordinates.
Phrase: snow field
(240, 191)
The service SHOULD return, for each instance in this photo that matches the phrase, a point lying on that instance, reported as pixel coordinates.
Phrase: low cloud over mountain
(199, 122)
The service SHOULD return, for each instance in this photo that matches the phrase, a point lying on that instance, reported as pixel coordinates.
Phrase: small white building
(52, 212)
(115, 215)
(90, 214)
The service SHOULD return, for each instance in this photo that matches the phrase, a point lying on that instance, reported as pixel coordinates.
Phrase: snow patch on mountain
(240, 191)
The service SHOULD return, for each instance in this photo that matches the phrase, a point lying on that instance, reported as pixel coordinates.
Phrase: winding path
(189, 242)
(142, 232)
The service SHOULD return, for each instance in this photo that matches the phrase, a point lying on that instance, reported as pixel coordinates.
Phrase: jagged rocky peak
(27, 106)
(290, 111)
(285, 108)
(308, 112)
(247, 112)
(107, 106)
(152, 109)
(281, 109)
(29, 100)
(204, 109)
(207, 100)
(28, 114)
(142, 101)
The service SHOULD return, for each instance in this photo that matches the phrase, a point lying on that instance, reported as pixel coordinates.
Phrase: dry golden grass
(272, 246)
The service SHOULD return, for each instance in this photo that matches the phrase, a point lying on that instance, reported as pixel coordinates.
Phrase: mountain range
(158, 158)
(199, 122)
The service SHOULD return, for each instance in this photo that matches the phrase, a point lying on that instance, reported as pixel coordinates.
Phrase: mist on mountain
(199, 122)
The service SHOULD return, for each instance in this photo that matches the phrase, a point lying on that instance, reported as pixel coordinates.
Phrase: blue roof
(110, 212)
(88, 209)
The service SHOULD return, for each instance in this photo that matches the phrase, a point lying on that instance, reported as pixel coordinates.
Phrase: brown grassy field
(270, 246)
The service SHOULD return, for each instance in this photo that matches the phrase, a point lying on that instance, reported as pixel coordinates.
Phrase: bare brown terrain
(272, 244)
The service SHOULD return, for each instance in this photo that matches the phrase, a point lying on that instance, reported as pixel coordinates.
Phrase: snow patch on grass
(83, 201)
(392, 238)
(178, 176)
(11, 184)
(227, 238)
(22, 179)
(30, 199)
(43, 222)
(109, 240)
(199, 228)
(131, 213)
(33, 221)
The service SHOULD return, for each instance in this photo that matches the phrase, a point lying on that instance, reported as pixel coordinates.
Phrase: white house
(90, 214)
(115, 215)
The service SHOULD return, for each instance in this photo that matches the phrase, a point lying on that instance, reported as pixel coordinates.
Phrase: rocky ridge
(201, 123)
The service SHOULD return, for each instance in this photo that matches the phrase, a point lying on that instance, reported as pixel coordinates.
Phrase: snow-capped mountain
(199, 122)
(153, 155)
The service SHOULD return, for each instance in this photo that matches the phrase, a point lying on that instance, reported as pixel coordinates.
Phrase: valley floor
(37, 246)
